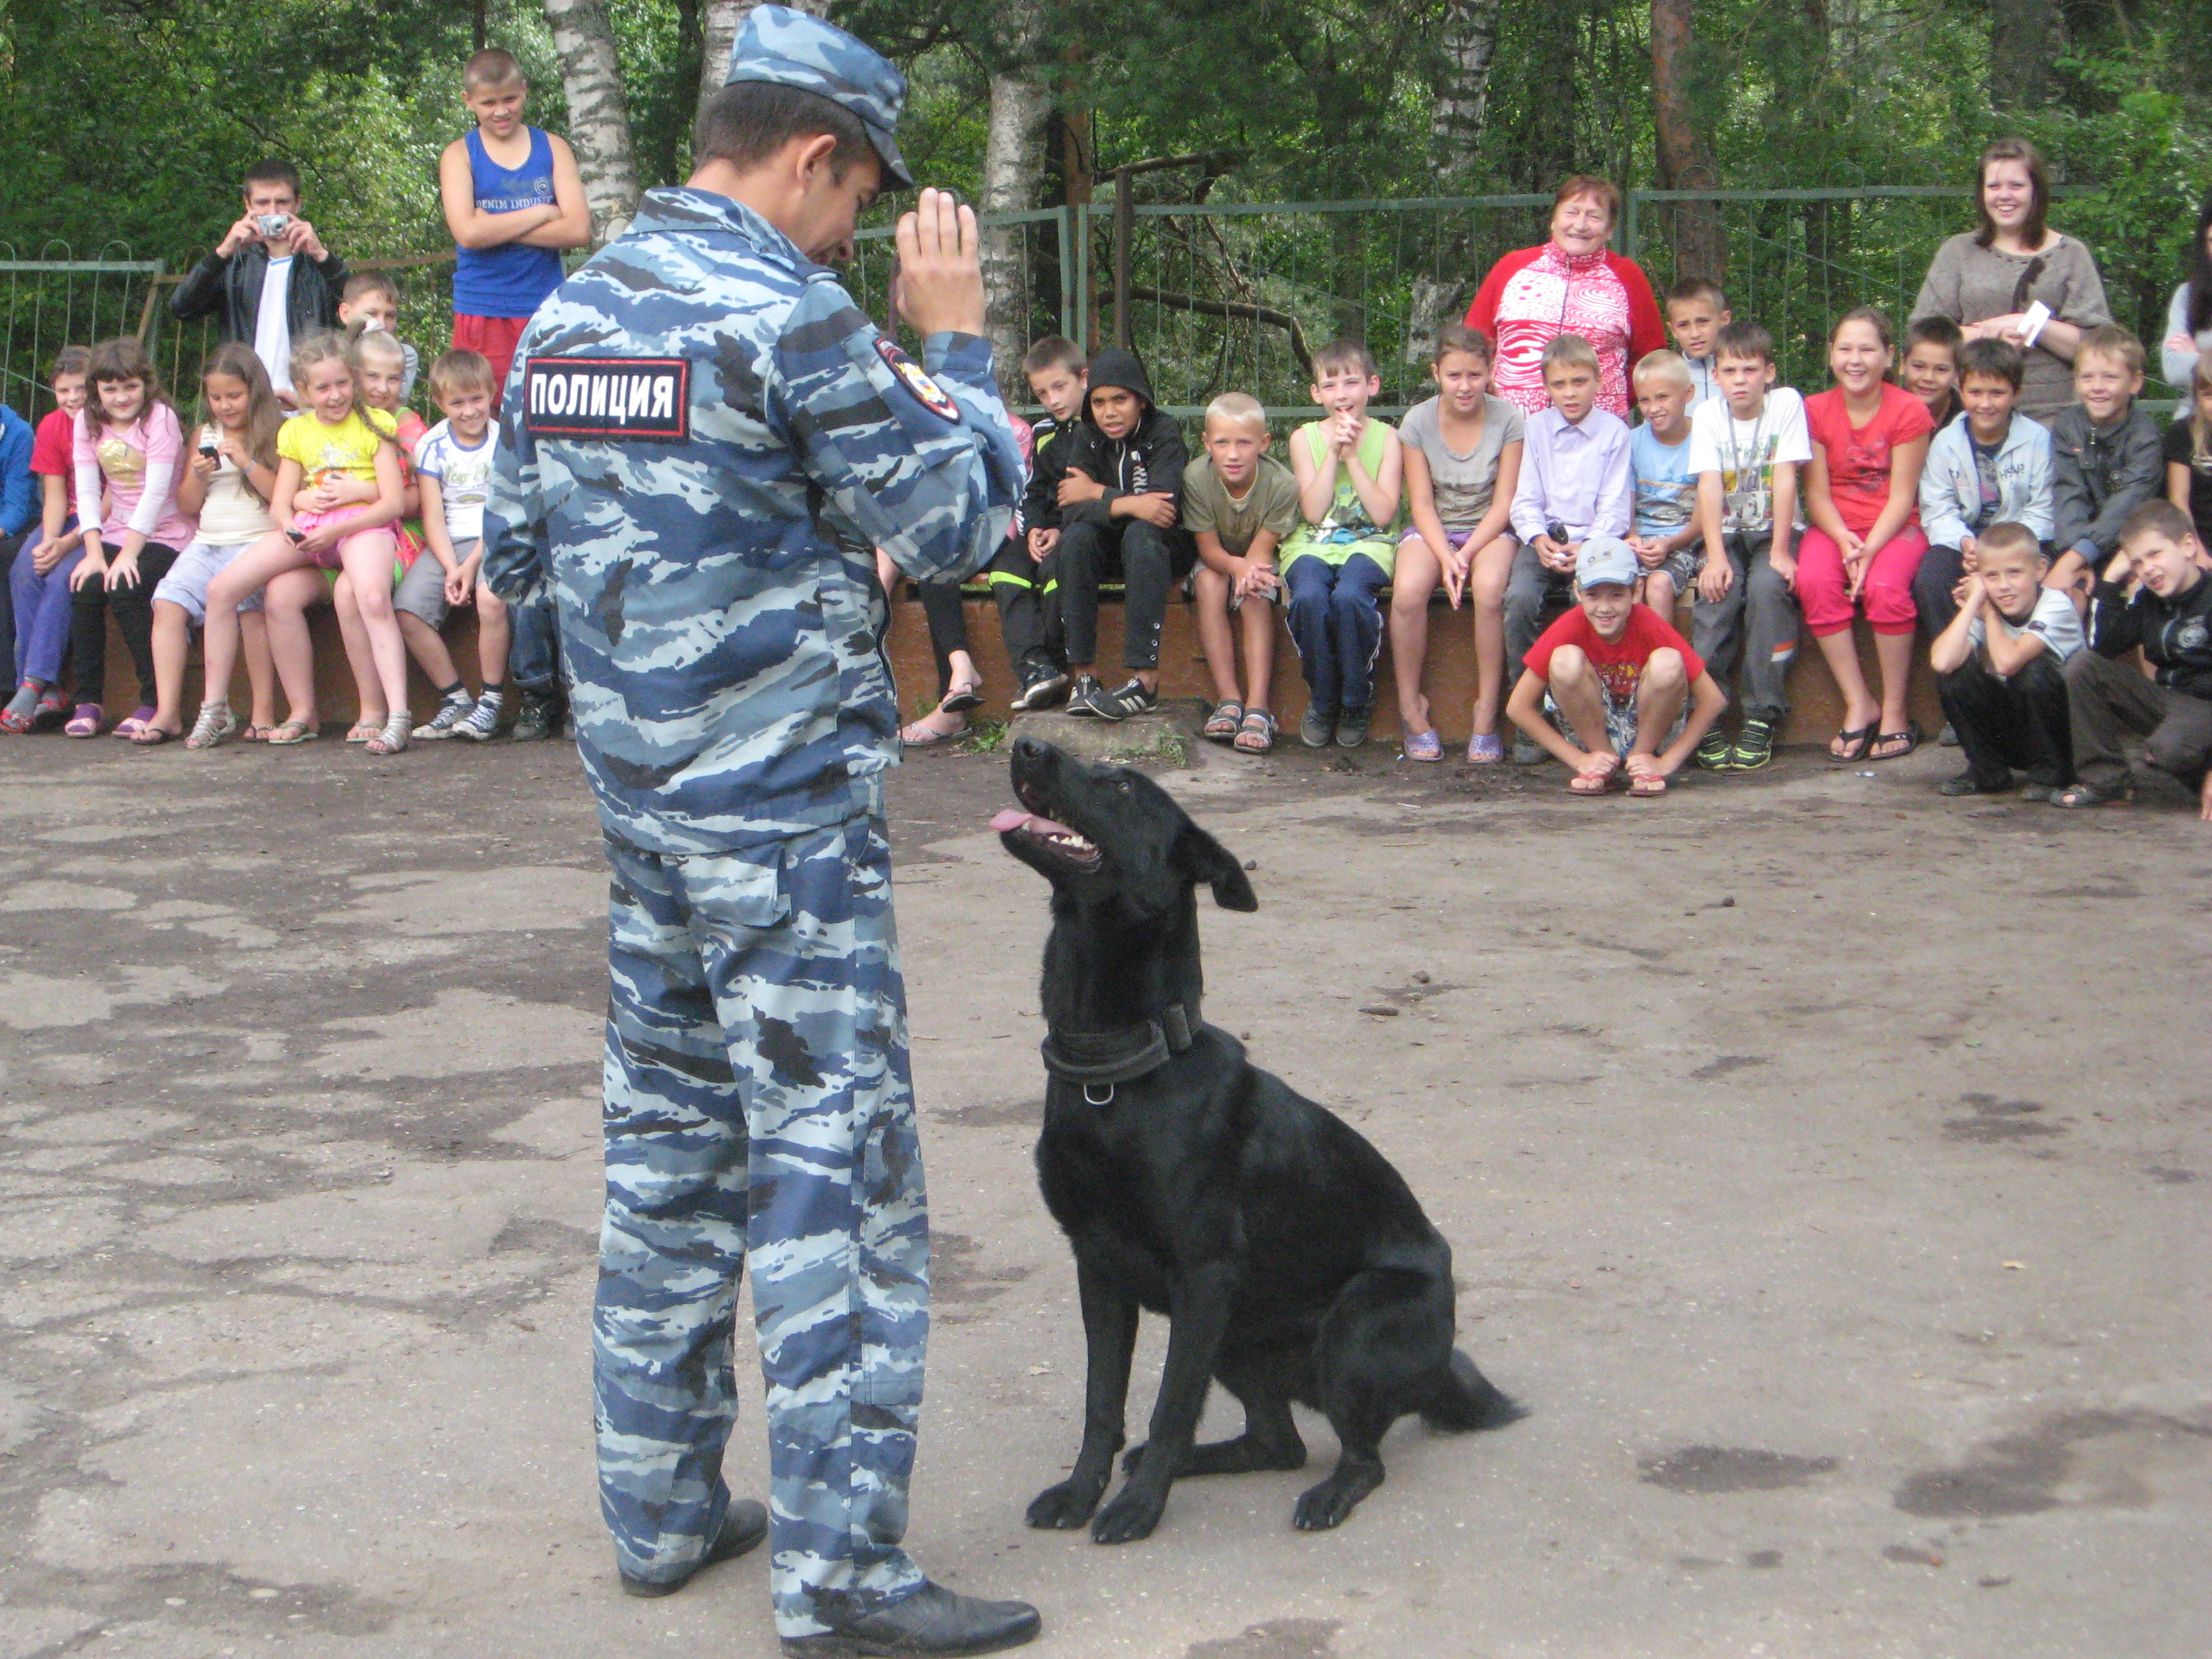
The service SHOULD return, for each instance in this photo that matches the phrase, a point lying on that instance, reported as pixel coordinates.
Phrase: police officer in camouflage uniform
(700, 417)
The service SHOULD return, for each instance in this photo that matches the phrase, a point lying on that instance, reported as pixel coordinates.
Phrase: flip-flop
(1647, 787)
(152, 736)
(291, 732)
(361, 731)
(1911, 737)
(919, 736)
(1424, 745)
(1589, 787)
(962, 698)
(256, 734)
(1859, 737)
(133, 723)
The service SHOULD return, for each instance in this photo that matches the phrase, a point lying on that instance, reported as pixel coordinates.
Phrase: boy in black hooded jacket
(1119, 499)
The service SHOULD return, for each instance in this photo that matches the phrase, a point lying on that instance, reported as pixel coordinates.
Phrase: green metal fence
(1216, 295)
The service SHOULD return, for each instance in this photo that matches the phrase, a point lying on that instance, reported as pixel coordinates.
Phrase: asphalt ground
(1825, 1165)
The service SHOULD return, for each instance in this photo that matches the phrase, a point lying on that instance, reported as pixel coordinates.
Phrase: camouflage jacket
(696, 419)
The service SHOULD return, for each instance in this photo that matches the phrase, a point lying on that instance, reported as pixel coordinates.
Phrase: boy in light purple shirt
(1576, 482)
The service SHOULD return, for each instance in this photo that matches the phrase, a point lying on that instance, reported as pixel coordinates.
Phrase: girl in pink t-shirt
(128, 436)
(1864, 543)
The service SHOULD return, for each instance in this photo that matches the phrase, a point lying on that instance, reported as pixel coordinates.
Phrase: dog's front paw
(1064, 1507)
(1131, 1515)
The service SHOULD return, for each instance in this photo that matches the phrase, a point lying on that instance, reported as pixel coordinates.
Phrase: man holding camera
(270, 279)
(702, 438)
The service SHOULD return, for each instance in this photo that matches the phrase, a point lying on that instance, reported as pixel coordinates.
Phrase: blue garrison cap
(788, 48)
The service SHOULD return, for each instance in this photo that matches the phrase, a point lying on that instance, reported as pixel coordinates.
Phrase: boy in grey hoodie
(1987, 465)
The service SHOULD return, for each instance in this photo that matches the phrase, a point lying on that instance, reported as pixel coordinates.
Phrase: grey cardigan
(1968, 283)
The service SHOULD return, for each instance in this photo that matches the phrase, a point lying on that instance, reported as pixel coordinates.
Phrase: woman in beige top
(1986, 280)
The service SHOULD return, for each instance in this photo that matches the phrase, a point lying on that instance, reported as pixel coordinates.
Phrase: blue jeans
(42, 610)
(1336, 621)
(533, 651)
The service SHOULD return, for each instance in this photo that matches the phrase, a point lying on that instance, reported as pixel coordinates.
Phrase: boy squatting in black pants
(1132, 456)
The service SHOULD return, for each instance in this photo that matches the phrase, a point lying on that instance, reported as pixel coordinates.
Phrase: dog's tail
(1464, 1400)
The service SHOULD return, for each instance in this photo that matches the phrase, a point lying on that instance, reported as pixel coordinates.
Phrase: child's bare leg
(1493, 569)
(961, 670)
(494, 635)
(260, 668)
(1577, 691)
(173, 642)
(1258, 618)
(1659, 594)
(1212, 589)
(369, 710)
(284, 606)
(1893, 654)
(1415, 579)
(1659, 693)
(1840, 650)
(427, 646)
(367, 555)
(265, 563)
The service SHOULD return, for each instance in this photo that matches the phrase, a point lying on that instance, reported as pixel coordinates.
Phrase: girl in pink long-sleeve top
(128, 438)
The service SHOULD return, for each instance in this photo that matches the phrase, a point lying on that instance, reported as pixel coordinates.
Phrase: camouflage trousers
(759, 1105)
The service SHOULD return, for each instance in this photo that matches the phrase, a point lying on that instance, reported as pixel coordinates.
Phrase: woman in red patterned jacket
(1573, 284)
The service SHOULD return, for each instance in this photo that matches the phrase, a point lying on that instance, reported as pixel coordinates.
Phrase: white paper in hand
(2031, 323)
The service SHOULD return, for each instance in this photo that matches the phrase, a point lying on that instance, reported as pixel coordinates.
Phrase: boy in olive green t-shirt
(1240, 506)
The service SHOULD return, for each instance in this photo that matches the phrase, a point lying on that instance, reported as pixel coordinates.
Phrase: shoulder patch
(931, 396)
(644, 398)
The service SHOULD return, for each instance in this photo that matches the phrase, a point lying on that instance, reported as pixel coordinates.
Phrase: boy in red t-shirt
(1615, 670)
(39, 583)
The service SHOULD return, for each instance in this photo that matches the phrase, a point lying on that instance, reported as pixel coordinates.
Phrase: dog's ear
(1203, 859)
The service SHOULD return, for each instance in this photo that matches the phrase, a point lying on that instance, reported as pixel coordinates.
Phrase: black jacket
(2175, 633)
(1150, 459)
(1050, 441)
(232, 287)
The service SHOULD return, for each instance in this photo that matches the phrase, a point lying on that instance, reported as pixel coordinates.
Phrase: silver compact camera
(272, 224)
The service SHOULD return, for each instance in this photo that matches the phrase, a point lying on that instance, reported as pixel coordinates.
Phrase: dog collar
(1096, 1059)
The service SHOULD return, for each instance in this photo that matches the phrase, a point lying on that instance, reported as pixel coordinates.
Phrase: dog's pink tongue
(1014, 818)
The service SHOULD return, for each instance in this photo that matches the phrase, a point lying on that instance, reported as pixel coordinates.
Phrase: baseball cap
(788, 48)
(1607, 559)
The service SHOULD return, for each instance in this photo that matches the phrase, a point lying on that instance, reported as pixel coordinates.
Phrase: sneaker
(1949, 739)
(1754, 744)
(1317, 730)
(1351, 727)
(483, 722)
(1713, 750)
(451, 713)
(1043, 683)
(536, 721)
(1133, 698)
(1967, 784)
(1088, 697)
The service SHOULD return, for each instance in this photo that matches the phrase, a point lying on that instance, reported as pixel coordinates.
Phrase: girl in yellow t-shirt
(337, 440)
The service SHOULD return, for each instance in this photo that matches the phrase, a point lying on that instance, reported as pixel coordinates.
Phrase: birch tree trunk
(720, 21)
(1455, 128)
(1685, 155)
(598, 114)
(1013, 174)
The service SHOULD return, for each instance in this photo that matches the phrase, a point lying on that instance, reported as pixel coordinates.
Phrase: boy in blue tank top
(514, 199)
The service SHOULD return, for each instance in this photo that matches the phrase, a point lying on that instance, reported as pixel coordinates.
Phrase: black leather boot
(932, 1620)
(744, 1525)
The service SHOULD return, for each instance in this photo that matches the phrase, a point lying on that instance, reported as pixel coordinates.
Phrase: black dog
(1293, 1262)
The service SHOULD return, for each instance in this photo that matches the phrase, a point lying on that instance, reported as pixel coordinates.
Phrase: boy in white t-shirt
(1745, 447)
(1998, 667)
(455, 463)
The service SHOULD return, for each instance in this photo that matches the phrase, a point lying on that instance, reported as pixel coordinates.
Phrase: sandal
(85, 722)
(1256, 735)
(922, 736)
(14, 720)
(50, 710)
(133, 723)
(255, 733)
(1223, 725)
(152, 736)
(1485, 749)
(362, 731)
(2081, 794)
(1855, 739)
(1582, 784)
(214, 724)
(1424, 745)
(962, 697)
(393, 737)
(1647, 787)
(1911, 737)
(291, 732)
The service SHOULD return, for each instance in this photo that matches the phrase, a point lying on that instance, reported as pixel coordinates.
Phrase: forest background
(126, 124)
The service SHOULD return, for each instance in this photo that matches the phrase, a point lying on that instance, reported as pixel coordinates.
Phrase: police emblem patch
(931, 396)
(607, 398)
